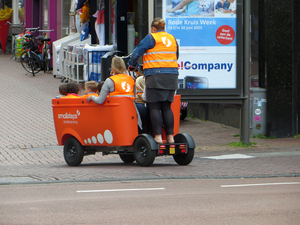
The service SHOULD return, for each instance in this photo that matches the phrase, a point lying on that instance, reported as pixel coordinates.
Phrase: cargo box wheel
(73, 152)
(184, 159)
(143, 154)
(127, 158)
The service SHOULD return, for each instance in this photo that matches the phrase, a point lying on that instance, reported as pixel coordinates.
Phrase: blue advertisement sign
(202, 31)
(205, 31)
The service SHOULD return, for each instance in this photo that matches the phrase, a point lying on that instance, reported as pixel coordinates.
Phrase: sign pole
(246, 74)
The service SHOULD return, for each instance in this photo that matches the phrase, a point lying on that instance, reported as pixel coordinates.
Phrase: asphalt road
(210, 201)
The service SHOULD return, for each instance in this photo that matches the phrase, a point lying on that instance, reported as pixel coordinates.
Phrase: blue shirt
(147, 43)
(219, 5)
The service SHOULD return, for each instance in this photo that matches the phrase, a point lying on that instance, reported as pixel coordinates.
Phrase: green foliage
(260, 136)
(241, 144)
(297, 136)
(191, 116)
(236, 135)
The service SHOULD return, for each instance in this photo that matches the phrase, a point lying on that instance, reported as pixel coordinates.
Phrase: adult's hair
(91, 85)
(73, 88)
(158, 23)
(118, 65)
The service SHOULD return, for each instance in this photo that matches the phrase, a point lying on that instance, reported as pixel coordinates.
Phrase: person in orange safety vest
(119, 84)
(160, 53)
(90, 88)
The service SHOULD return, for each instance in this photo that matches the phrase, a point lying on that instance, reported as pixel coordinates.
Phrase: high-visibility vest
(71, 95)
(124, 86)
(164, 53)
(90, 94)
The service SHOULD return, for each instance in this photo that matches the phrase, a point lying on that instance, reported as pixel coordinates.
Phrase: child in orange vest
(72, 89)
(62, 89)
(90, 88)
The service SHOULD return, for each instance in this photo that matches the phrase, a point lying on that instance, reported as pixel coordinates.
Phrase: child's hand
(88, 99)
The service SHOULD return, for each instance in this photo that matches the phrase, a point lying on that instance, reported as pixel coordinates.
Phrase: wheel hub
(144, 151)
(72, 152)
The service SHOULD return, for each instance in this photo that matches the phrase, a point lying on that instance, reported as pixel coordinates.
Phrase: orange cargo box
(113, 123)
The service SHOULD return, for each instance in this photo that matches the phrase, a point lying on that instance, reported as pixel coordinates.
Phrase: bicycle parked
(30, 60)
(46, 54)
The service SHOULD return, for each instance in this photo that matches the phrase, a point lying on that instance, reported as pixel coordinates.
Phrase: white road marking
(231, 156)
(262, 184)
(115, 190)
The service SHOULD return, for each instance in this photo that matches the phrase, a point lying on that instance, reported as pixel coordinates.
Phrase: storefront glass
(65, 17)
(254, 43)
(45, 14)
(21, 11)
(158, 8)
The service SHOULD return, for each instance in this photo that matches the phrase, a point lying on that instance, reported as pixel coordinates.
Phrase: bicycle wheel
(31, 64)
(44, 66)
(46, 62)
(36, 62)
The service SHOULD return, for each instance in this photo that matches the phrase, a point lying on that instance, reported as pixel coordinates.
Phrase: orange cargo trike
(112, 128)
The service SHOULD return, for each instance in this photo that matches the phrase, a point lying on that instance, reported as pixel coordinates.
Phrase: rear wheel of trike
(143, 153)
(127, 158)
(184, 159)
(73, 152)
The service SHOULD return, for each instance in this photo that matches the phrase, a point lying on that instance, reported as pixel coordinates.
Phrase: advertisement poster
(205, 31)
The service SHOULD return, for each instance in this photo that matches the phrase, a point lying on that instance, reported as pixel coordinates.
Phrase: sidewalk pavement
(28, 142)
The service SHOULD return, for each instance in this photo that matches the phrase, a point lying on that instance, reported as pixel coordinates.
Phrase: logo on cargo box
(69, 116)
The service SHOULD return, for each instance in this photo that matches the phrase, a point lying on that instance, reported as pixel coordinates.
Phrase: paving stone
(29, 150)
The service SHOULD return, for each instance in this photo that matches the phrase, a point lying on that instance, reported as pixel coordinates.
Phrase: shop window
(45, 15)
(158, 8)
(21, 11)
(65, 17)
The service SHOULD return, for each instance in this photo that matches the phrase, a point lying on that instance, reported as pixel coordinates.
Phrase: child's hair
(140, 84)
(158, 23)
(100, 84)
(118, 65)
(92, 85)
(63, 89)
(73, 88)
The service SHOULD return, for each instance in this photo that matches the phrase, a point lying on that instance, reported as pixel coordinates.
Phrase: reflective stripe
(150, 53)
(163, 54)
(160, 61)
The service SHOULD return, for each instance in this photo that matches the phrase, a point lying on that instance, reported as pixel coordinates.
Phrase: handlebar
(15, 24)
(45, 30)
(131, 68)
(32, 29)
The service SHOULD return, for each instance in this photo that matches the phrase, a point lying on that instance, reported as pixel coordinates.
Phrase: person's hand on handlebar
(132, 68)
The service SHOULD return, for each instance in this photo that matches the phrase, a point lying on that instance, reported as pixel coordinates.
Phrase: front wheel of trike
(127, 158)
(143, 153)
(73, 152)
